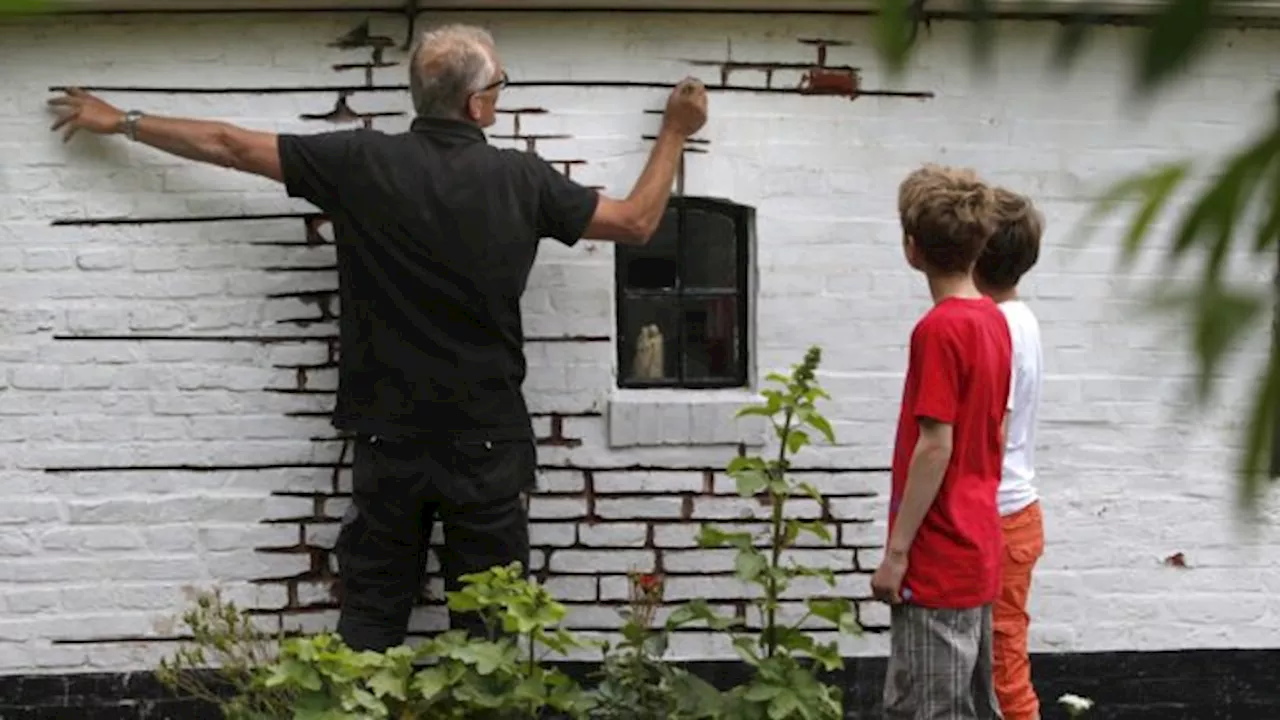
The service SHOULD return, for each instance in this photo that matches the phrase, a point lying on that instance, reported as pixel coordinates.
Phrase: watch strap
(129, 126)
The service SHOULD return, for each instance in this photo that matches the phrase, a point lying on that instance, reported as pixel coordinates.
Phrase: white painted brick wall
(87, 553)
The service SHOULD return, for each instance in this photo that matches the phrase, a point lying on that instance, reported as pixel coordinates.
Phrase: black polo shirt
(436, 232)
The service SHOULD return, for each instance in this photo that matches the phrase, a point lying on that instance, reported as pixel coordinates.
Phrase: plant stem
(777, 501)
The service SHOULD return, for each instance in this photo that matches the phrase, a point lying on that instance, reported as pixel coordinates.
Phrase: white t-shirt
(1017, 488)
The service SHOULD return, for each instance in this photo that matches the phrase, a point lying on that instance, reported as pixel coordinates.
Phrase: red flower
(649, 582)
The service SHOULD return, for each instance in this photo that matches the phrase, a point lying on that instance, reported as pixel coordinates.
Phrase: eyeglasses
(496, 84)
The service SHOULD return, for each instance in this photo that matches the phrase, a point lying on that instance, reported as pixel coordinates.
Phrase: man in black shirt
(436, 232)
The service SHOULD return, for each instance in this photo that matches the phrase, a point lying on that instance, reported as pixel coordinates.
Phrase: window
(683, 299)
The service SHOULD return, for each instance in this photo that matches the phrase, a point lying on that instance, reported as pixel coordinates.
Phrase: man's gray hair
(447, 65)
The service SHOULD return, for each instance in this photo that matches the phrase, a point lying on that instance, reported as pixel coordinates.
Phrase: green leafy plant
(223, 664)
(635, 682)
(784, 656)
(502, 676)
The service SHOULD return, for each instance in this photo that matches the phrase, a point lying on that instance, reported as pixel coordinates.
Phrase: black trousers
(400, 488)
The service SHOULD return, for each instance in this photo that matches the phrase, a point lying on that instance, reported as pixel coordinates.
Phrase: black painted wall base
(1182, 685)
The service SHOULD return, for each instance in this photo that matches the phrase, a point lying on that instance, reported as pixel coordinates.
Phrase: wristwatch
(129, 126)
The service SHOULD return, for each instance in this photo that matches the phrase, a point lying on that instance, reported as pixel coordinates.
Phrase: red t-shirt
(958, 374)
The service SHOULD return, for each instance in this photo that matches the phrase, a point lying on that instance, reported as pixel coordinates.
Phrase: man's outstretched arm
(216, 143)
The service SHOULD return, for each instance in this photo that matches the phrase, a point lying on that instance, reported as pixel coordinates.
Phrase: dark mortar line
(267, 339)
(624, 84)
(286, 466)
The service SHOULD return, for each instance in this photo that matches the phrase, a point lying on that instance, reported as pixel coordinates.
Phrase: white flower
(1075, 704)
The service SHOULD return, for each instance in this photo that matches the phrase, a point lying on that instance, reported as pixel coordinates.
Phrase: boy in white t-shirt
(1009, 254)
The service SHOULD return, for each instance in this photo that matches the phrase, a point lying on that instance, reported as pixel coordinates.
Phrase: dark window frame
(743, 219)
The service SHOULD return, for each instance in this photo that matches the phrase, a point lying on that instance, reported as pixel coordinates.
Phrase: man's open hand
(686, 108)
(78, 110)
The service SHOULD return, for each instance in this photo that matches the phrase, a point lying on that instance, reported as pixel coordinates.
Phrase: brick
(573, 589)
(663, 508)
(561, 481)
(591, 561)
(613, 534)
(589, 617)
(699, 561)
(725, 508)
(857, 508)
(648, 481)
(545, 508)
(552, 535)
(864, 534)
(101, 259)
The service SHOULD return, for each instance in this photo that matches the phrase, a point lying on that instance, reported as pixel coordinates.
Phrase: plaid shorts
(940, 665)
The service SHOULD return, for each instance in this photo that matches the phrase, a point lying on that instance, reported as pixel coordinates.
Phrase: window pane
(712, 351)
(655, 265)
(710, 250)
(649, 342)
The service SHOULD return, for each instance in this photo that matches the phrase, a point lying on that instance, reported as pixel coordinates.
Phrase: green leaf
(828, 654)
(827, 574)
(750, 482)
(1212, 219)
(713, 537)
(796, 440)
(774, 400)
(894, 33)
(388, 683)
(777, 377)
(368, 705)
(1176, 37)
(1220, 319)
(756, 410)
(745, 462)
(750, 564)
(794, 640)
(695, 697)
(813, 419)
(761, 693)
(486, 657)
(1153, 189)
(783, 705)
(817, 528)
(1268, 232)
(808, 489)
(837, 611)
(746, 649)
(1260, 434)
(698, 611)
(1073, 34)
(293, 673)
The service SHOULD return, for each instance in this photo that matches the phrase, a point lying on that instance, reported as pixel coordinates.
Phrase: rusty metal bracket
(360, 37)
(343, 113)
(411, 22)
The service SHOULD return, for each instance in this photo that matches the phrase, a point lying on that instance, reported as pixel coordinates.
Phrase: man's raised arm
(635, 219)
(212, 142)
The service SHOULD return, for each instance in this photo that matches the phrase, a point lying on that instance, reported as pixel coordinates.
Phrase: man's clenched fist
(686, 108)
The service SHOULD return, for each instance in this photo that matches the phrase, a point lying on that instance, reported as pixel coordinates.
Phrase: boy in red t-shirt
(941, 569)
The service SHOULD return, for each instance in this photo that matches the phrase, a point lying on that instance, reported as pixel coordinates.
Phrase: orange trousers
(1023, 546)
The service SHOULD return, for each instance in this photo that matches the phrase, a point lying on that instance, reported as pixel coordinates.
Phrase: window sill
(672, 416)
